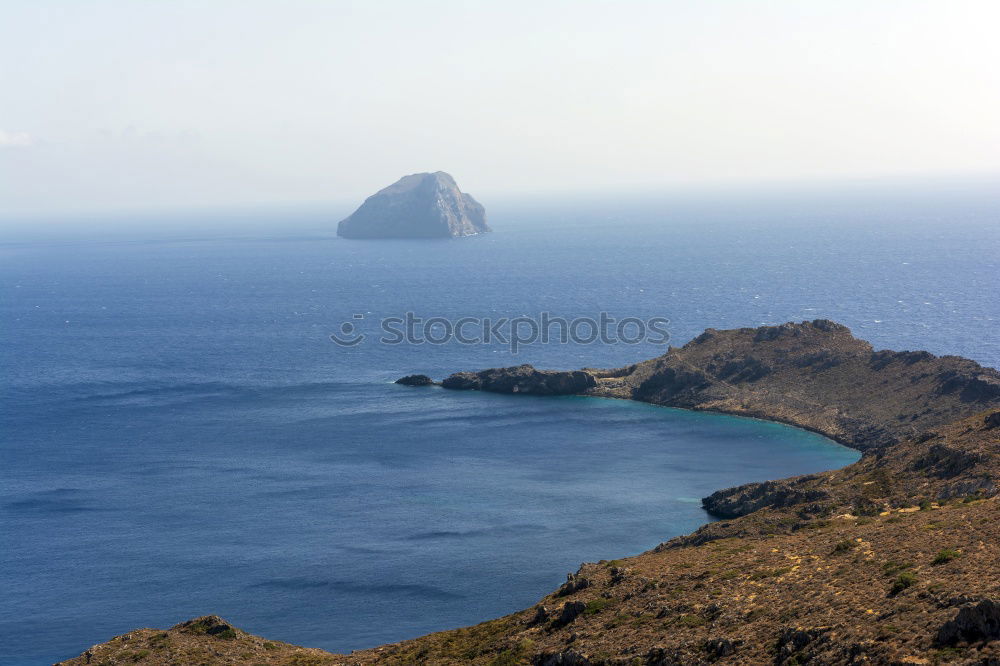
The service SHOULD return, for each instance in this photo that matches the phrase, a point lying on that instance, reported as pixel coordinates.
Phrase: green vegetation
(299, 659)
(596, 606)
(515, 655)
(891, 567)
(879, 484)
(508, 658)
(946, 555)
(946, 655)
(691, 621)
(843, 547)
(903, 581)
(866, 507)
(769, 573)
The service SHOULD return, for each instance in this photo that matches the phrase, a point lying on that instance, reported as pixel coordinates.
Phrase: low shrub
(691, 621)
(596, 606)
(843, 547)
(946, 555)
(903, 581)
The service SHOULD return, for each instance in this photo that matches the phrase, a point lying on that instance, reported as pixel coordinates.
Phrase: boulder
(974, 623)
(570, 611)
(574, 583)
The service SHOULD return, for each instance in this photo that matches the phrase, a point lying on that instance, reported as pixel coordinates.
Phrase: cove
(345, 515)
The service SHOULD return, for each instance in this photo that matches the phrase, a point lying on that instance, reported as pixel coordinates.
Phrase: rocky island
(421, 205)
(892, 560)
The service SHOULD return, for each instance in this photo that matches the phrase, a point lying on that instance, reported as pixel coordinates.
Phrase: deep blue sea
(181, 437)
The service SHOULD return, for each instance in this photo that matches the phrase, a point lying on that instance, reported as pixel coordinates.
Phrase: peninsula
(421, 205)
(894, 559)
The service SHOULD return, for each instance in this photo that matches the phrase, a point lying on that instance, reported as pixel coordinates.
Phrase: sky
(108, 105)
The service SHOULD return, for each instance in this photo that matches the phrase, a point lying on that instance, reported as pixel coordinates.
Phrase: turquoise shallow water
(180, 437)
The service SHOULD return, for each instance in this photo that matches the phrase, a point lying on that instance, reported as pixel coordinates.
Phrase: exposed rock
(975, 622)
(719, 648)
(541, 616)
(792, 642)
(567, 658)
(659, 656)
(574, 583)
(211, 625)
(992, 420)
(619, 574)
(422, 205)
(945, 462)
(815, 375)
(739, 501)
(415, 380)
(570, 611)
(969, 385)
(522, 379)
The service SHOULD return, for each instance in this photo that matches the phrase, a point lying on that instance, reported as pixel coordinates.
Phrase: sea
(180, 434)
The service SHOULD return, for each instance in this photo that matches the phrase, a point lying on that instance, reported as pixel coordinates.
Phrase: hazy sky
(123, 104)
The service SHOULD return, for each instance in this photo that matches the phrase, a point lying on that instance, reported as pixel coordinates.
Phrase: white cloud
(14, 139)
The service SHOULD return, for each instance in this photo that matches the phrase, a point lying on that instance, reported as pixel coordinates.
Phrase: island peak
(420, 205)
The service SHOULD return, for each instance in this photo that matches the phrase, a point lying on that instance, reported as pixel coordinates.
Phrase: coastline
(735, 414)
(939, 452)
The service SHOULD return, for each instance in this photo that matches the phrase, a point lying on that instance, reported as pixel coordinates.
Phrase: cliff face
(422, 205)
(892, 560)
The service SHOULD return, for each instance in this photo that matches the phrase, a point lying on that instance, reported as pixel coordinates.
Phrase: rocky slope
(421, 205)
(892, 560)
(204, 640)
(815, 375)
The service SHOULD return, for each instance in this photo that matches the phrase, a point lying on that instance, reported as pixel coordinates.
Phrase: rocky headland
(421, 205)
(892, 560)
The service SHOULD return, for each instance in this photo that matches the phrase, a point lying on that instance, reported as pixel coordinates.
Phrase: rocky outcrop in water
(421, 205)
(522, 379)
(415, 380)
